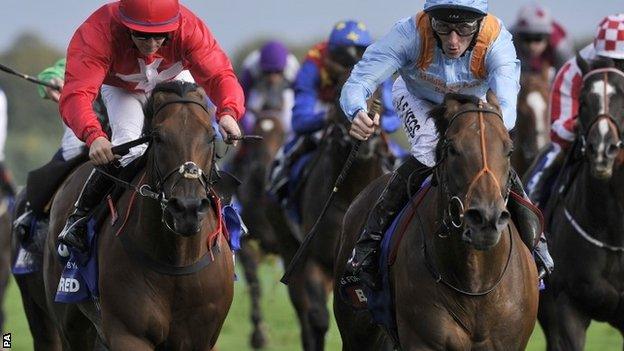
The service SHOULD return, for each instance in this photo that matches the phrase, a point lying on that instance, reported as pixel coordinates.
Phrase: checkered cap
(609, 40)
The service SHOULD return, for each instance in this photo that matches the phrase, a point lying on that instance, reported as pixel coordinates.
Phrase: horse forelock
(178, 88)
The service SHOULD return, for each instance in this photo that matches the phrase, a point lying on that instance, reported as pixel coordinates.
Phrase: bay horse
(5, 251)
(165, 268)
(310, 286)
(462, 278)
(586, 230)
(252, 167)
(532, 130)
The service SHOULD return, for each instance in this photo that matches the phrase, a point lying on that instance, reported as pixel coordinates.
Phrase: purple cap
(273, 56)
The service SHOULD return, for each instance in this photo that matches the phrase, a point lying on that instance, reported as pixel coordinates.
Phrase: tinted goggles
(463, 29)
(532, 38)
(147, 36)
(347, 56)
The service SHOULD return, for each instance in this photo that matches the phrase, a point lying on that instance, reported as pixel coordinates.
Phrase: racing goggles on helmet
(533, 37)
(146, 36)
(463, 29)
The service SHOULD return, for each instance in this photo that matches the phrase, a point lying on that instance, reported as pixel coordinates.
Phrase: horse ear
(491, 98)
(583, 65)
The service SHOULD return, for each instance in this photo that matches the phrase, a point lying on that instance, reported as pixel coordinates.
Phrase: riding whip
(29, 78)
(302, 252)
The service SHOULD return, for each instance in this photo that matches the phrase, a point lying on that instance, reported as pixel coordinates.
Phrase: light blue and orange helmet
(456, 10)
(350, 33)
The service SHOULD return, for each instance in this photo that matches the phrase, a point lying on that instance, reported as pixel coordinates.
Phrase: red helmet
(150, 16)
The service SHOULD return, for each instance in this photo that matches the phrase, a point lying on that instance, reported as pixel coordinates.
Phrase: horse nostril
(474, 217)
(204, 206)
(504, 218)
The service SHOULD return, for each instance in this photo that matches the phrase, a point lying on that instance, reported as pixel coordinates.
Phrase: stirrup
(70, 237)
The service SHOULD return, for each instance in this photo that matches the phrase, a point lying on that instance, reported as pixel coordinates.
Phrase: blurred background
(35, 34)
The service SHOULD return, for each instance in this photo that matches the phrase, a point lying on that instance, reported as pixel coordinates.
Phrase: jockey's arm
(564, 102)
(380, 61)
(213, 71)
(88, 61)
(503, 75)
(305, 118)
(390, 121)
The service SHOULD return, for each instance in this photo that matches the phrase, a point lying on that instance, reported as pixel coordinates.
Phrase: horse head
(473, 168)
(533, 123)
(601, 114)
(181, 155)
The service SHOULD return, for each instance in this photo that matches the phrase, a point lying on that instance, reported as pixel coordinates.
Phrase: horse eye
(452, 150)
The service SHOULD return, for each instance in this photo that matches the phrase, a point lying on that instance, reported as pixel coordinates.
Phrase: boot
(281, 171)
(528, 221)
(74, 233)
(364, 261)
(22, 224)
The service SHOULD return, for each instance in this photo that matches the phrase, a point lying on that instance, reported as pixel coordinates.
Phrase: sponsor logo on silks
(68, 285)
(6, 341)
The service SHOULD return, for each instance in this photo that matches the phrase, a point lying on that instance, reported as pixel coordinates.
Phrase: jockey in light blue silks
(316, 90)
(451, 46)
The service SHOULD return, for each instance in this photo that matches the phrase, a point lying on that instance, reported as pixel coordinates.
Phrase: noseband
(456, 205)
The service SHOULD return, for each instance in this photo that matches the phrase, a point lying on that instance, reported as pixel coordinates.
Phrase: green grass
(281, 322)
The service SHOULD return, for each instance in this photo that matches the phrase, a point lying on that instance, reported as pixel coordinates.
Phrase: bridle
(606, 115)
(186, 170)
(454, 214)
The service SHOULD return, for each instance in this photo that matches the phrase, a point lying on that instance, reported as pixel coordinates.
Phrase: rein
(451, 199)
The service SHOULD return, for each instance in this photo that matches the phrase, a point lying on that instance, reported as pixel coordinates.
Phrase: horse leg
(44, 333)
(567, 327)
(249, 259)
(317, 288)
(130, 342)
(298, 291)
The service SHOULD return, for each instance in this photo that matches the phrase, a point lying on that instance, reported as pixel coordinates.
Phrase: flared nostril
(504, 218)
(175, 205)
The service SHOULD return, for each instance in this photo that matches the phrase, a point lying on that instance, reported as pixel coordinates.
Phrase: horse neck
(600, 204)
(152, 235)
(461, 264)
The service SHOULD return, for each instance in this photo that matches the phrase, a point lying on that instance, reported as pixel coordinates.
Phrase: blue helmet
(350, 33)
(456, 10)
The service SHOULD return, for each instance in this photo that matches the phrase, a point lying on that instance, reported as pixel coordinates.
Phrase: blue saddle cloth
(79, 279)
(29, 258)
(380, 302)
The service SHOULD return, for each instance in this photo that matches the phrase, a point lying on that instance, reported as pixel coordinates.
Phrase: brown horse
(166, 270)
(532, 130)
(586, 231)
(252, 167)
(462, 278)
(309, 287)
(5, 250)
(44, 333)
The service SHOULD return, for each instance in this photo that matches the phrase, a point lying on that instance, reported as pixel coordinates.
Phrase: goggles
(532, 38)
(463, 29)
(147, 36)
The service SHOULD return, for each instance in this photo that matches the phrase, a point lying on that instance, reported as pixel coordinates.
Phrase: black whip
(303, 250)
(29, 78)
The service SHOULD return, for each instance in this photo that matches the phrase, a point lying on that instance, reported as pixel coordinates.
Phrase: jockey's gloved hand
(363, 126)
(229, 129)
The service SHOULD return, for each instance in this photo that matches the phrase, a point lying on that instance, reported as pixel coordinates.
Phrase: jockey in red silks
(564, 102)
(123, 50)
(542, 44)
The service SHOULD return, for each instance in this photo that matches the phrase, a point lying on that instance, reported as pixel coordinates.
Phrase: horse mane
(439, 112)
